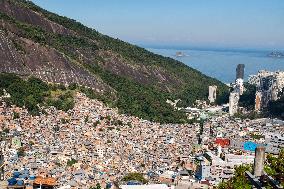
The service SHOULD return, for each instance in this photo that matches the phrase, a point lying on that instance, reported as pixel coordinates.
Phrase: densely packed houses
(92, 144)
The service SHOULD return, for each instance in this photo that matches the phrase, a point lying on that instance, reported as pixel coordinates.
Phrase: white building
(233, 160)
(211, 167)
(234, 103)
(269, 86)
(239, 86)
(212, 93)
(100, 151)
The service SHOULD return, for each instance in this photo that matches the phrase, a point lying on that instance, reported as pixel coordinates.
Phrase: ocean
(221, 64)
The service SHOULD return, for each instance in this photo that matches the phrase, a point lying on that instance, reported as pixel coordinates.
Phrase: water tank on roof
(12, 181)
(250, 146)
(20, 182)
(16, 174)
(25, 171)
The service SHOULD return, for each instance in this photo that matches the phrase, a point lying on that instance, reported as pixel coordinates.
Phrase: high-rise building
(234, 103)
(212, 94)
(239, 86)
(258, 97)
(269, 86)
(240, 71)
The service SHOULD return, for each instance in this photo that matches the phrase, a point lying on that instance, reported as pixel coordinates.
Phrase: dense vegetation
(98, 186)
(223, 97)
(33, 92)
(135, 177)
(147, 101)
(248, 98)
(71, 162)
(276, 108)
(142, 101)
(275, 166)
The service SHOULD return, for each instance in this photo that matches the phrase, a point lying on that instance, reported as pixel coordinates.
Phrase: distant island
(136, 80)
(276, 54)
(180, 54)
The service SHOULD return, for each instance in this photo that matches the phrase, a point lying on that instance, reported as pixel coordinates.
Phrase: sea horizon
(212, 48)
(208, 59)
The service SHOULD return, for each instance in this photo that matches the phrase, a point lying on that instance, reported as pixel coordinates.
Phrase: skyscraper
(240, 71)
(212, 93)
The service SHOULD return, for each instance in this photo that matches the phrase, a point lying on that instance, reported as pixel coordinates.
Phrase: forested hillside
(61, 50)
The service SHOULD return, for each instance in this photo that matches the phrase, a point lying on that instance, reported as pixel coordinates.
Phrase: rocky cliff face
(23, 14)
(25, 57)
(56, 49)
(42, 62)
(54, 66)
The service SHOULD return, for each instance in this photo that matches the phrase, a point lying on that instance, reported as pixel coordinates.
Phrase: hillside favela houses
(93, 145)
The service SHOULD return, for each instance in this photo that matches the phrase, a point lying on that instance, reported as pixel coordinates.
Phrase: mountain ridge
(61, 50)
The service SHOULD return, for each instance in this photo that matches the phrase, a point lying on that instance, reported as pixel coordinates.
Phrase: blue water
(221, 64)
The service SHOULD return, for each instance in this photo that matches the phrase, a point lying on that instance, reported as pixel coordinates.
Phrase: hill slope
(56, 49)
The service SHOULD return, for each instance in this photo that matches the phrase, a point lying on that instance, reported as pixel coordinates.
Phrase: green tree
(71, 162)
(73, 86)
(247, 100)
(276, 108)
(144, 97)
(98, 186)
(16, 115)
(6, 130)
(225, 185)
(275, 165)
(21, 152)
(135, 177)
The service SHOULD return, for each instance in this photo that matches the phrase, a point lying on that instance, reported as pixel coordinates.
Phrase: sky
(200, 23)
